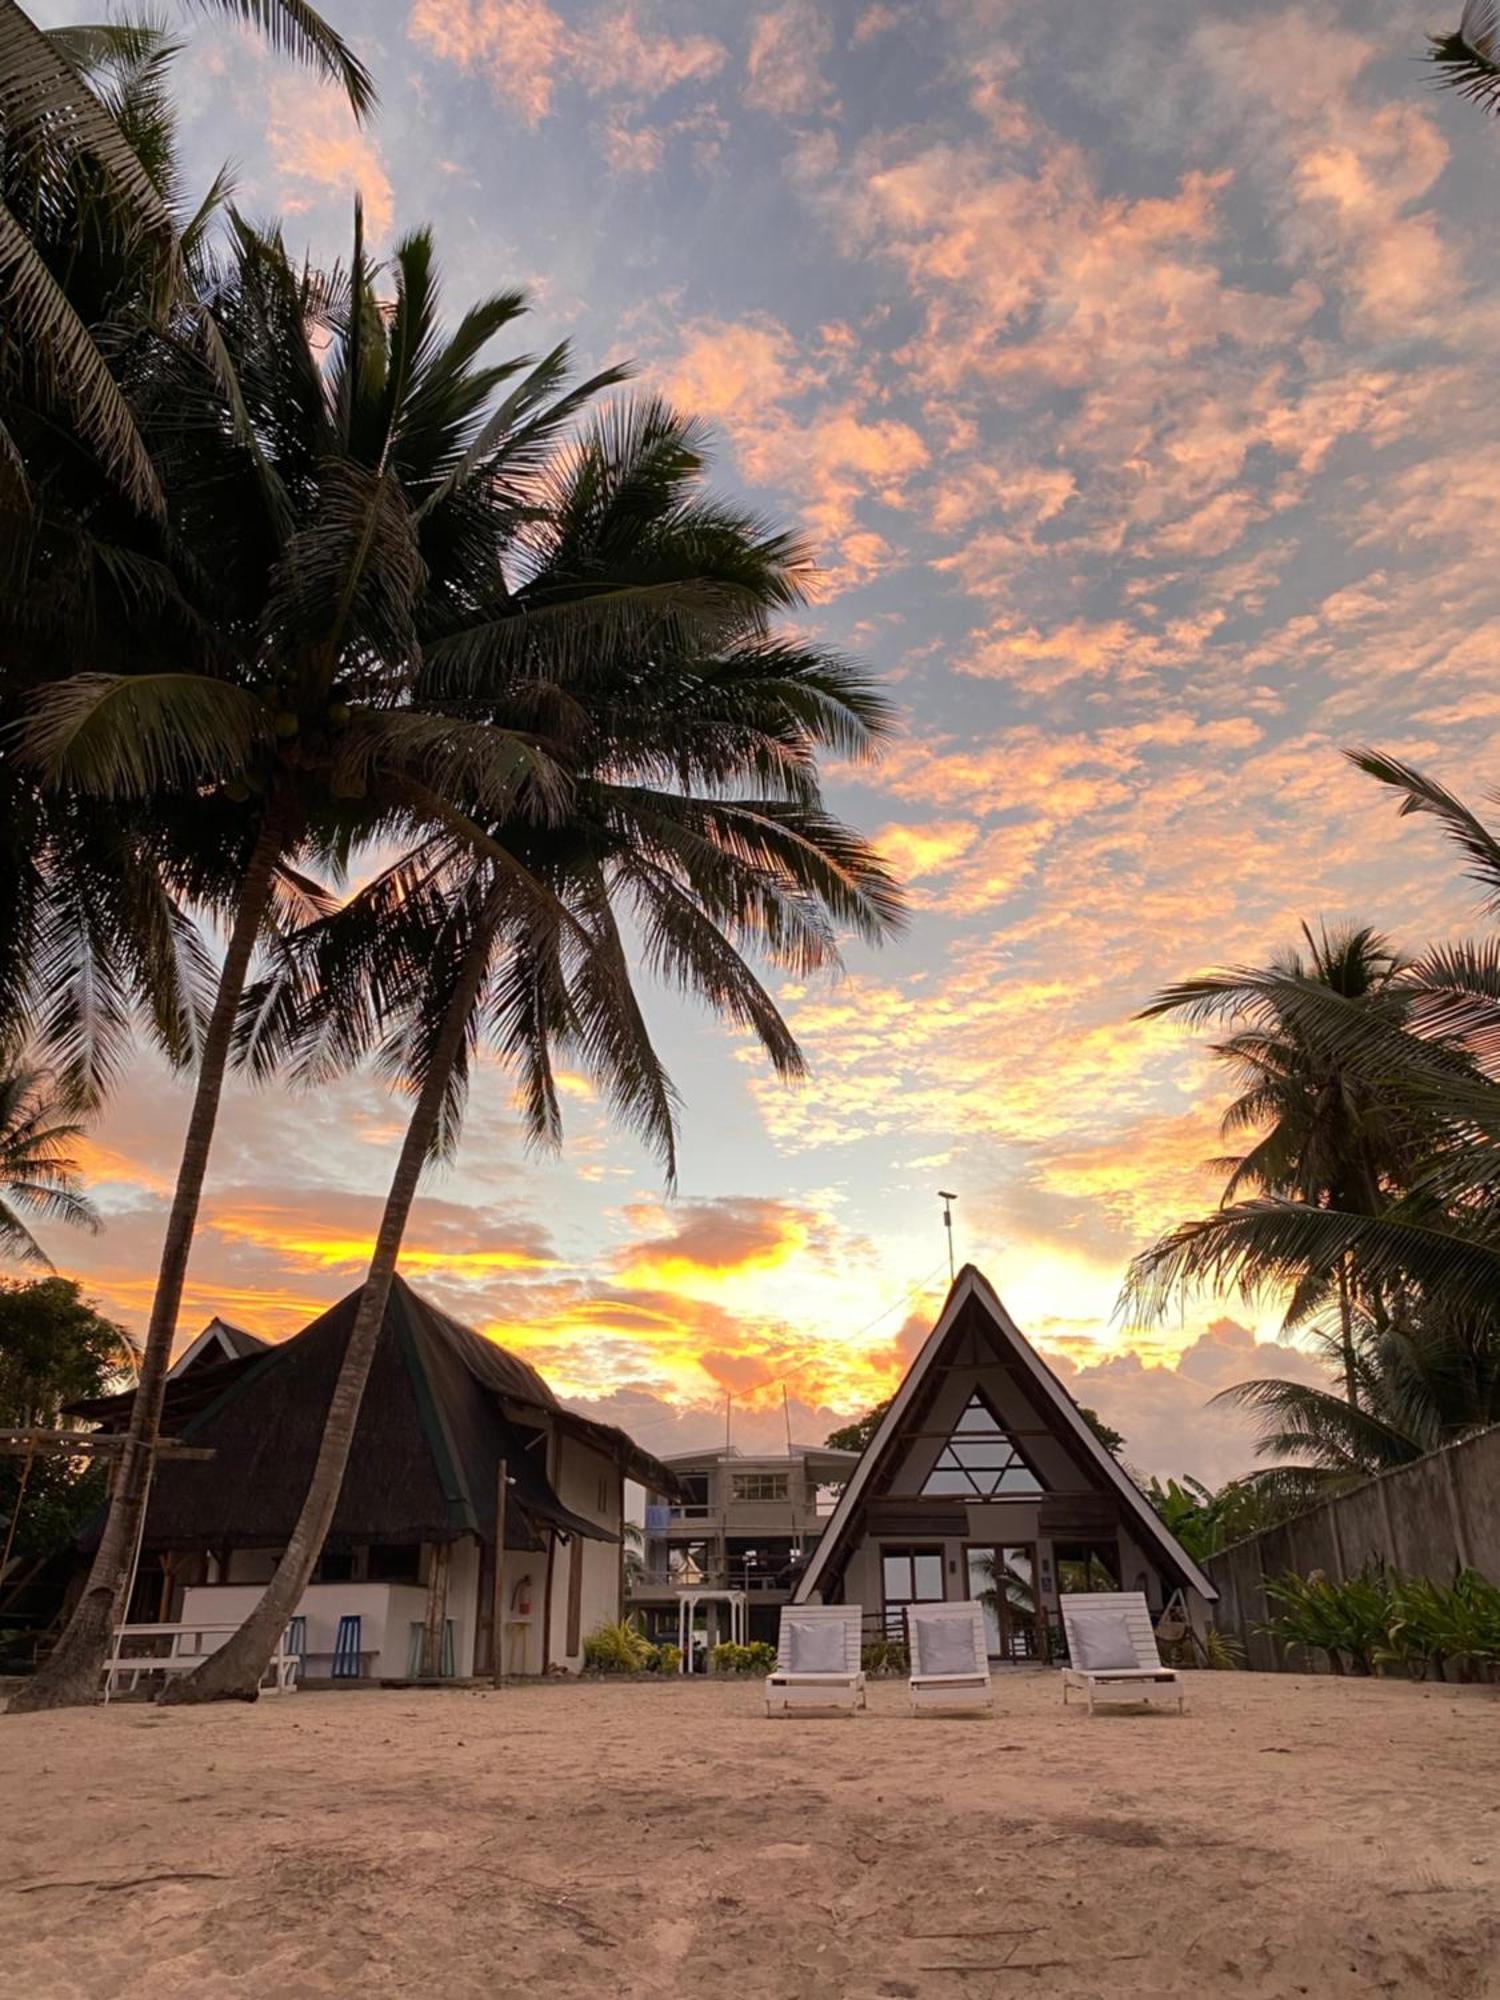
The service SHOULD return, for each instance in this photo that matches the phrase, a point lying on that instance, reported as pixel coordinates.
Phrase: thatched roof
(442, 1408)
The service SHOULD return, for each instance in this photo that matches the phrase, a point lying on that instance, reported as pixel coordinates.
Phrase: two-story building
(742, 1524)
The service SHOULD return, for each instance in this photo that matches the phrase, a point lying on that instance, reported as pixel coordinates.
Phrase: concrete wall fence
(1429, 1518)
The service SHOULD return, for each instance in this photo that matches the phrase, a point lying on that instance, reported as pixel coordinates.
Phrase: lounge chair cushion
(945, 1646)
(1102, 1643)
(817, 1646)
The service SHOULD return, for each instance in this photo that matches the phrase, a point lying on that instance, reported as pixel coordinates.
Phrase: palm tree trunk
(234, 1672)
(1346, 1334)
(71, 1676)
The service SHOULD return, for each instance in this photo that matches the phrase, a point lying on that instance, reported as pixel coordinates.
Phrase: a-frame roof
(219, 1341)
(971, 1286)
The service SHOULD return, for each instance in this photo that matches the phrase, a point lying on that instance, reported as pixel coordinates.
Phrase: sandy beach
(1287, 1837)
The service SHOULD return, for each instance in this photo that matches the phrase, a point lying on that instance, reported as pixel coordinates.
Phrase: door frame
(910, 1550)
(1003, 1613)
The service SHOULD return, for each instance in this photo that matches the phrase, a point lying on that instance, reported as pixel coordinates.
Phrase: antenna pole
(947, 1198)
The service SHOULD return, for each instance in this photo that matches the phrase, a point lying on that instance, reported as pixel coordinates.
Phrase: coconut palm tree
(1469, 57)
(1320, 1132)
(91, 935)
(1421, 1385)
(54, 116)
(355, 498)
(38, 1173)
(691, 745)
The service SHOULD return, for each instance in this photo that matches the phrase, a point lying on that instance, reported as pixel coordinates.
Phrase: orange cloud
(319, 152)
(525, 49)
(791, 428)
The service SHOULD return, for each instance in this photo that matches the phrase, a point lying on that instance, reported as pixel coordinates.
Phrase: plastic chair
(418, 1632)
(348, 1659)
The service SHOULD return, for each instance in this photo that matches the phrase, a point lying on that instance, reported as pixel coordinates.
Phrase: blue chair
(295, 1643)
(348, 1660)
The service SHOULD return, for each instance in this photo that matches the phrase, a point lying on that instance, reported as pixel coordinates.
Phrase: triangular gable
(1050, 1395)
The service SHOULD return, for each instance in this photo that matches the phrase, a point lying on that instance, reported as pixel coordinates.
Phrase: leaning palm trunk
(72, 1675)
(234, 1672)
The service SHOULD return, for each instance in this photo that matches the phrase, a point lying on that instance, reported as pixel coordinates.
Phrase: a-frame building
(984, 1481)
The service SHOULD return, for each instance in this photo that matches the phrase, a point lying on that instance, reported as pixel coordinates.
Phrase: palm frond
(129, 735)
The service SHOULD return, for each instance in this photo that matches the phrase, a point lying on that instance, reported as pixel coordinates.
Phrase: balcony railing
(710, 1579)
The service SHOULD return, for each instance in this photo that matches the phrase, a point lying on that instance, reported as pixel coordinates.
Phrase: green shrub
(668, 1658)
(1348, 1621)
(1433, 1626)
(619, 1648)
(758, 1657)
(883, 1656)
(1381, 1618)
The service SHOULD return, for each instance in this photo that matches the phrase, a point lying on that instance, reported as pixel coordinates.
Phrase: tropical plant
(758, 1657)
(60, 119)
(1433, 1626)
(689, 734)
(38, 1174)
(856, 1435)
(1205, 1521)
(618, 1646)
(1384, 1618)
(1423, 1321)
(884, 1657)
(635, 1552)
(1468, 59)
(92, 935)
(355, 498)
(55, 1349)
(1347, 1621)
(1320, 1132)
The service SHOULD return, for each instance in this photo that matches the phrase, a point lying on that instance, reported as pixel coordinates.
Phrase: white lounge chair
(950, 1665)
(817, 1661)
(1113, 1653)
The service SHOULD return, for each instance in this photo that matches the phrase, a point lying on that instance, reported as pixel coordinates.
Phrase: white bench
(181, 1658)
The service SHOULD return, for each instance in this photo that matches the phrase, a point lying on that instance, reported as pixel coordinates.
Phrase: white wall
(588, 1483)
(386, 1612)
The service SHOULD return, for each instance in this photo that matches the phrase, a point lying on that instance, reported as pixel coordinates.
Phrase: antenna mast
(947, 1198)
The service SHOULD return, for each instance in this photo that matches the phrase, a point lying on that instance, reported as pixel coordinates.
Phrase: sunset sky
(1132, 369)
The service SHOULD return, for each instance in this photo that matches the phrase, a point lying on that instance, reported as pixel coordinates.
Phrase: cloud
(716, 1239)
(795, 425)
(788, 45)
(526, 51)
(319, 153)
(1164, 1414)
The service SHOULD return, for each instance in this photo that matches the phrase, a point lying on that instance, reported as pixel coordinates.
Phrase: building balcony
(661, 1585)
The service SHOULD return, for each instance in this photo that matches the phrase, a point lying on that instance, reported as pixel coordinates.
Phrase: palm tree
(38, 1174)
(91, 933)
(1320, 1132)
(53, 115)
(1426, 1331)
(1469, 57)
(691, 744)
(354, 499)
(1421, 1386)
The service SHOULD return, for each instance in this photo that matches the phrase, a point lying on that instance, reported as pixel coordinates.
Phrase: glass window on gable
(981, 1461)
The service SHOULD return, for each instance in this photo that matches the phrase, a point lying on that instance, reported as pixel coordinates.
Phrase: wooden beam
(89, 1444)
(497, 1610)
(437, 1611)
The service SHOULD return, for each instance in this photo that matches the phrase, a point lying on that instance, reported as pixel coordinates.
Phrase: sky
(1131, 370)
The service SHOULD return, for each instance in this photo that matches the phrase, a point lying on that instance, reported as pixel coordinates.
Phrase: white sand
(1288, 1837)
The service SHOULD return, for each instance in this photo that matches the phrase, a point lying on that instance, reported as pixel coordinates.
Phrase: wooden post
(497, 1617)
(437, 1612)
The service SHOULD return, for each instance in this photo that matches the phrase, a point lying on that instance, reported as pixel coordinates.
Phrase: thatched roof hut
(443, 1408)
